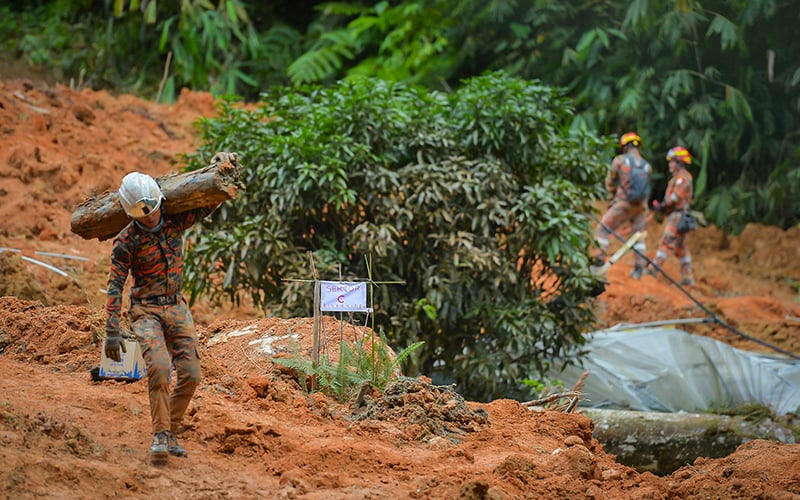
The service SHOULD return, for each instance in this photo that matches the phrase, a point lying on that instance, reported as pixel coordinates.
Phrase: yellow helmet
(630, 137)
(680, 154)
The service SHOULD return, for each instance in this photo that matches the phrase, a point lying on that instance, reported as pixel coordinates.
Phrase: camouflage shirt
(679, 190)
(154, 260)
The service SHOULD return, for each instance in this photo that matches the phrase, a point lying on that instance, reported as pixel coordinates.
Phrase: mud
(252, 431)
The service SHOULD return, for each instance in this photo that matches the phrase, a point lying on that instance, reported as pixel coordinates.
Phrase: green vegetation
(368, 361)
(720, 77)
(477, 200)
(152, 48)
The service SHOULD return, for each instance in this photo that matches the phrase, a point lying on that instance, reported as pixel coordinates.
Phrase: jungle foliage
(721, 77)
(474, 200)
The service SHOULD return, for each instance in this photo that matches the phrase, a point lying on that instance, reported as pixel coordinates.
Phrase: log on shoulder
(102, 216)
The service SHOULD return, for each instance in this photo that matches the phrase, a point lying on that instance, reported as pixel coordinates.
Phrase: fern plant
(368, 361)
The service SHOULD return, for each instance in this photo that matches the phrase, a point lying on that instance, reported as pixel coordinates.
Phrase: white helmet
(139, 195)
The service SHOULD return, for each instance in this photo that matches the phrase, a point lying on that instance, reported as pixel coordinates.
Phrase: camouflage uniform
(159, 315)
(677, 199)
(621, 211)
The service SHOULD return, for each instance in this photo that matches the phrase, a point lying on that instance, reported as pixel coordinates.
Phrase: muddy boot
(159, 450)
(637, 272)
(175, 449)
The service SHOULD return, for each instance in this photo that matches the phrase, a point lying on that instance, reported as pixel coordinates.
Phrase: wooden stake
(317, 314)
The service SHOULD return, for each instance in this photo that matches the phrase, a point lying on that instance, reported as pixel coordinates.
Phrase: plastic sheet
(669, 370)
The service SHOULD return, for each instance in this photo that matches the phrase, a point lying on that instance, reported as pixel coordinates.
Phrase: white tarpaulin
(343, 296)
(669, 370)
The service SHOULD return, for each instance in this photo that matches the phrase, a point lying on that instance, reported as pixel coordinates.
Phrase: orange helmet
(679, 154)
(630, 137)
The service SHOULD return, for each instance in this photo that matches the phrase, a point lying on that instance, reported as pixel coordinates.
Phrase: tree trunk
(661, 443)
(102, 216)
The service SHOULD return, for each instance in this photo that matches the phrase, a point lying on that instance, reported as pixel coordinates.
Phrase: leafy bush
(475, 200)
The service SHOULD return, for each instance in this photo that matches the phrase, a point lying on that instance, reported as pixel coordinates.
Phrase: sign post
(337, 296)
(347, 296)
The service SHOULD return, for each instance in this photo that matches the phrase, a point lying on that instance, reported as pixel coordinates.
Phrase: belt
(158, 300)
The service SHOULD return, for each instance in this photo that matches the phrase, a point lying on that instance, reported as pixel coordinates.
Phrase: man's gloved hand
(113, 345)
(225, 156)
(659, 206)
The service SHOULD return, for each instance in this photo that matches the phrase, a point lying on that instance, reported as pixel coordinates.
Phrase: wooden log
(102, 216)
(661, 443)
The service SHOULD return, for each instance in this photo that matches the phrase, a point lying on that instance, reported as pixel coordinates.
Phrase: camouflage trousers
(167, 337)
(622, 212)
(673, 242)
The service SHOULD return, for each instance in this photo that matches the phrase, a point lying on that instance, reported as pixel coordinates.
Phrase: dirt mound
(251, 430)
(425, 411)
(62, 145)
(63, 336)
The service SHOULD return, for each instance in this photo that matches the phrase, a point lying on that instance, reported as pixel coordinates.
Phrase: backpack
(639, 185)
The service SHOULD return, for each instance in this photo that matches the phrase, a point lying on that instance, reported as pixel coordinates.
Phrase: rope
(715, 319)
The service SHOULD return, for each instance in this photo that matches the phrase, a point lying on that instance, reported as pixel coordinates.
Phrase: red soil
(252, 432)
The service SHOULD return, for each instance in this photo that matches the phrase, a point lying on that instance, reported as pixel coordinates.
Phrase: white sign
(343, 296)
